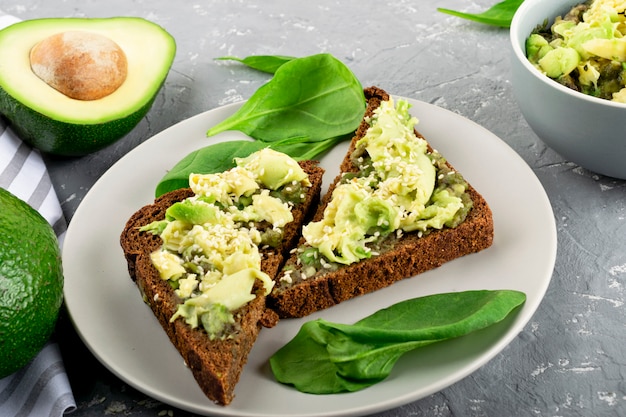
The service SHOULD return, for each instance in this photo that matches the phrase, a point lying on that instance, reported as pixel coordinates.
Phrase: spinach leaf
(306, 364)
(301, 149)
(315, 97)
(264, 63)
(309, 106)
(327, 357)
(219, 157)
(499, 15)
(210, 159)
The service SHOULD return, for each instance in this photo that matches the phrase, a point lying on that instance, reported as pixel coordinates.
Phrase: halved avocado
(57, 124)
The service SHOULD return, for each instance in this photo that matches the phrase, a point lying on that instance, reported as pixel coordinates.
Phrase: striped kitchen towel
(42, 387)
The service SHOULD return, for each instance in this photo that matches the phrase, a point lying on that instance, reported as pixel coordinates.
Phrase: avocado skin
(31, 282)
(66, 139)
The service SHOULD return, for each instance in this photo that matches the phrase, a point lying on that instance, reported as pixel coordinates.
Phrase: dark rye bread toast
(216, 364)
(410, 255)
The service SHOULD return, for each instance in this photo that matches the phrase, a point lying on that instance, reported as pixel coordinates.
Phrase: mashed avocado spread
(401, 186)
(585, 50)
(210, 253)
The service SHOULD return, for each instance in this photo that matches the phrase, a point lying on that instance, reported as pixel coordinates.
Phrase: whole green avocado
(49, 119)
(31, 282)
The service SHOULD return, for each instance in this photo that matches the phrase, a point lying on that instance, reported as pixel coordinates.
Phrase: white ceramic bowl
(588, 131)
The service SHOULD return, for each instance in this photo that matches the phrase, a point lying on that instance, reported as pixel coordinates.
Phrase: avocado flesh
(57, 124)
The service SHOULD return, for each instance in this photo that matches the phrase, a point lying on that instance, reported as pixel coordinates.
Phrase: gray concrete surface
(570, 360)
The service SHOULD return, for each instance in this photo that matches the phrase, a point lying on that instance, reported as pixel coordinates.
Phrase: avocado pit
(80, 64)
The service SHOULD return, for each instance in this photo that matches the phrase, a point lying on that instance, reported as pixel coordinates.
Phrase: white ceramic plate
(122, 333)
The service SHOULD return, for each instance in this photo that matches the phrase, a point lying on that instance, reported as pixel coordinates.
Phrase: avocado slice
(54, 122)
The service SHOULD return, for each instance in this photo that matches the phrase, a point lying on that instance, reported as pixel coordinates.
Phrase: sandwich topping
(401, 186)
(210, 253)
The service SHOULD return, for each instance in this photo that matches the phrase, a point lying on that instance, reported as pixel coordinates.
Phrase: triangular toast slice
(216, 364)
(300, 294)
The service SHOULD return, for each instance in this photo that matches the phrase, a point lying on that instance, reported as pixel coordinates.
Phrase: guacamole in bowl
(585, 49)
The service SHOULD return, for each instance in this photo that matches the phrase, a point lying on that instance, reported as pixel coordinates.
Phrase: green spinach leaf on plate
(310, 105)
(326, 357)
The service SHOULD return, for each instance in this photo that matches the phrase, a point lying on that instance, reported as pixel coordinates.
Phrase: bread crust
(215, 364)
(410, 256)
